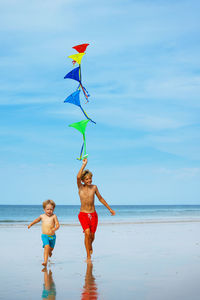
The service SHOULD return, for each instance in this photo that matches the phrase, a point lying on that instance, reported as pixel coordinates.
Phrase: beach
(151, 260)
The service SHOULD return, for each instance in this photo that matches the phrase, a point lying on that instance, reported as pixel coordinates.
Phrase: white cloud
(181, 173)
(122, 117)
(176, 87)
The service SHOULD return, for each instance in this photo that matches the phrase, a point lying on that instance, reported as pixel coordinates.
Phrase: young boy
(88, 216)
(49, 225)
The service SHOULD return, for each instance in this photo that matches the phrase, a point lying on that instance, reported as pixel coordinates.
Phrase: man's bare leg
(88, 244)
(46, 255)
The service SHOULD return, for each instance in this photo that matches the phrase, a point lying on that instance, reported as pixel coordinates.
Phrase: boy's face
(87, 180)
(49, 210)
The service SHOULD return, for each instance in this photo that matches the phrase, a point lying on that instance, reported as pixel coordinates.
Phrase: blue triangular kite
(74, 74)
(74, 99)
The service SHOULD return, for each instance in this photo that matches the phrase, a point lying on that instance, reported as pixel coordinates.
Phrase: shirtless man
(49, 225)
(88, 216)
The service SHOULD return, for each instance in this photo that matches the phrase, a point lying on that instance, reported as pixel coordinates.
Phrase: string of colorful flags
(74, 98)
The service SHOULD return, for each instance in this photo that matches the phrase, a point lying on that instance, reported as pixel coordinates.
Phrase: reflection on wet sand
(49, 288)
(90, 288)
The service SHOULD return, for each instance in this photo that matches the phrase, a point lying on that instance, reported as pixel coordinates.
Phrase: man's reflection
(90, 287)
(49, 288)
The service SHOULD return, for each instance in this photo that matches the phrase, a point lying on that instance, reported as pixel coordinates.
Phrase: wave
(109, 223)
(13, 221)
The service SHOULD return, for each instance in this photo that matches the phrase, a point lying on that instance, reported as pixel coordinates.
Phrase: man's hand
(29, 226)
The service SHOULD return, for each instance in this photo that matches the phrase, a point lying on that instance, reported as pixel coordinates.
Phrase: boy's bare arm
(57, 224)
(34, 222)
(80, 172)
(103, 201)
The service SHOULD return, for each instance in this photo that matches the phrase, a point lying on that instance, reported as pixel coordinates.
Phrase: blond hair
(85, 173)
(45, 203)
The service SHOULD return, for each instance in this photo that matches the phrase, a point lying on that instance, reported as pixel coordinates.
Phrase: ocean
(67, 214)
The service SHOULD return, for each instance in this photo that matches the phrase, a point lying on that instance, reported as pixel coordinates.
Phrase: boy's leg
(52, 242)
(92, 236)
(46, 254)
(50, 251)
(88, 242)
(94, 222)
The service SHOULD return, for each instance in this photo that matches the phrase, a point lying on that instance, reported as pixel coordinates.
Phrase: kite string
(86, 115)
(85, 92)
(81, 153)
(84, 142)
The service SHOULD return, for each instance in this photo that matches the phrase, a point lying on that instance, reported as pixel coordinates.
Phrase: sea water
(67, 214)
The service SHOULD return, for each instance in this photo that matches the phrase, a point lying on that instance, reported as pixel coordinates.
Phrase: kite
(77, 58)
(74, 99)
(75, 74)
(80, 48)
(81, 126)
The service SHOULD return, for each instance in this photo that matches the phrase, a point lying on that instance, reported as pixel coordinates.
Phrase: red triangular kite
(80, 48)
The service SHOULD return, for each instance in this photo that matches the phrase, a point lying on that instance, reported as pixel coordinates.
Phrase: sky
(142, 71)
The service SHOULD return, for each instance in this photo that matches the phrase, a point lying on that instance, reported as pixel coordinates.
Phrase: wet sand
(131, 261)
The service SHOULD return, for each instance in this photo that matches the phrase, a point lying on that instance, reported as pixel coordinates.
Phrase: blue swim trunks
(48, 240)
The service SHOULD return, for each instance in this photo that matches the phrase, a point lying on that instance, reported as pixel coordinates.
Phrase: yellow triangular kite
(77, 57)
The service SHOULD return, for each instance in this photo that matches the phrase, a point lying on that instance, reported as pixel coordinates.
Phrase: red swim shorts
(88, 220)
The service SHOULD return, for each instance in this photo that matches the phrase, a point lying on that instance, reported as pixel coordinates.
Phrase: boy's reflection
(90, 287)
(49, 288)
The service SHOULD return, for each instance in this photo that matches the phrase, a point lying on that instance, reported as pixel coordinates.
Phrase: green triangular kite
(81, 126)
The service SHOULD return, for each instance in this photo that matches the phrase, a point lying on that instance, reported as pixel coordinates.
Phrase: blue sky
(142, 70)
